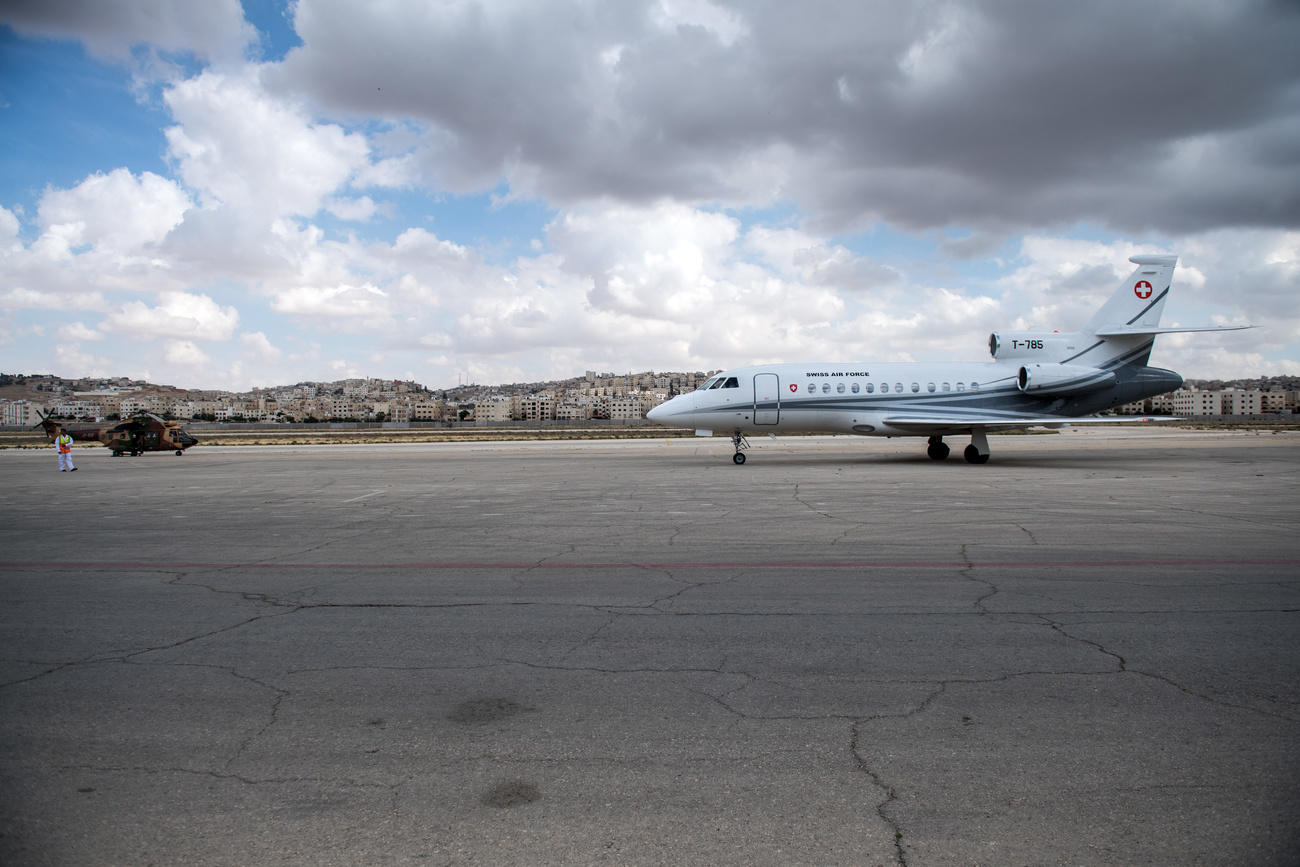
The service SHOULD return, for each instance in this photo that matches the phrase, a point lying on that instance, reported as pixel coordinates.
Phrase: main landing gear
(976, 453)
(937, 450)
(738, 440)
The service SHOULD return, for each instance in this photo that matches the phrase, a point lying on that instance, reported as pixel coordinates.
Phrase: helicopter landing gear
(738, 440)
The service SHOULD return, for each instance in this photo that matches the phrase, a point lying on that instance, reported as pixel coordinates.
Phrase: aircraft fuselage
(859, 398)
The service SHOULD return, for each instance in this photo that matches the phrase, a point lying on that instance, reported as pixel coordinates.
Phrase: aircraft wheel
(938, 451)
(738, 458)
(973, 456)
(179, 452)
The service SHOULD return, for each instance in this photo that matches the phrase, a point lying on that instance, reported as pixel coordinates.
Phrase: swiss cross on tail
(1142, 289)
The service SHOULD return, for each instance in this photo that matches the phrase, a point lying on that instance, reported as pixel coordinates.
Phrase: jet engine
(1004, 345)
(1062, 379)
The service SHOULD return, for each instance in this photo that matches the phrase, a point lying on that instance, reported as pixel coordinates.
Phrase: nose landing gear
(738, 440)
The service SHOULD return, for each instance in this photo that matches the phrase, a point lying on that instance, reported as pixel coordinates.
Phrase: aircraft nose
(656, 414)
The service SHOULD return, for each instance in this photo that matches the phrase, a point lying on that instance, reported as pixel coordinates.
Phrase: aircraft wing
(940, 424)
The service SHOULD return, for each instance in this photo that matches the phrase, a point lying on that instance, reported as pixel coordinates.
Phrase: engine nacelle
(1032, 345)
(1062, 379)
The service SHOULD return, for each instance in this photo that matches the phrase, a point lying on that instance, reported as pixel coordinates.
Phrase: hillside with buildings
(25, 398)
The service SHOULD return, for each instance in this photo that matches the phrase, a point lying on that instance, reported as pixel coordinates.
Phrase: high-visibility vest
(65, 444)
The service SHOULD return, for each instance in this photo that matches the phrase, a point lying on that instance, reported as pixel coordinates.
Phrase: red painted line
(166, 565)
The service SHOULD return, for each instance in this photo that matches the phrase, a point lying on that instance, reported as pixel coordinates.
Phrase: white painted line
(364, 496)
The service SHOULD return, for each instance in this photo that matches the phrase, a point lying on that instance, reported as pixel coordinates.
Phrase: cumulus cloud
(185, 353)
(22, 298)
(116, 212)
(245, 149)
(358, 209)
(69, 360)
(179, 315)
(76, 331)
(349, 307)
(257, 345)
(214, 30)
(8, 231)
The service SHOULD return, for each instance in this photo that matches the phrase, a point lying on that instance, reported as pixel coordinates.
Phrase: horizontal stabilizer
(1141, 330)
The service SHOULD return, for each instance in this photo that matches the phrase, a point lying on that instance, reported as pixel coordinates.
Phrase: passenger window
(826, 388)
(916, 386)
(974, 386)
(946, 386)
(839, 388)
(898, 387)
(812, 387)
(961, 386)
(871, 387)
(854, 388)
(930, 388)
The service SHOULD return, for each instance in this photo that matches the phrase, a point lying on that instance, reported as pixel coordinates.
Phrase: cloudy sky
(217, 195)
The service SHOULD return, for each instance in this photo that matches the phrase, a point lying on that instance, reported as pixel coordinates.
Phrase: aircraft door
(767, 398)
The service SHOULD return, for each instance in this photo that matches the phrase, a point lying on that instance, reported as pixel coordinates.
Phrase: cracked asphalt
(1085, 652)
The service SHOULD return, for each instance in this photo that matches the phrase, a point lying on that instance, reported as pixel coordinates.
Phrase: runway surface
(1085, 652)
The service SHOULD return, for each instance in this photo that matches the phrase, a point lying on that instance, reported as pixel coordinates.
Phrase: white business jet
(1036, 379)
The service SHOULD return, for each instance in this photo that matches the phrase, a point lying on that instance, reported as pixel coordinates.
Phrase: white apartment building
(626, 408)
(1239, 402)
(85, 409)
(1279, 401)
(573, 410)
(500, 409)
(537, 407)
(202, 407)
(1197, 403)
(427, 410)
(21, 412)
(393, 410)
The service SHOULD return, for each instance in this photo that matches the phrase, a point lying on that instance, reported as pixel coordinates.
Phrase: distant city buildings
(1191, 402)
(601, 396)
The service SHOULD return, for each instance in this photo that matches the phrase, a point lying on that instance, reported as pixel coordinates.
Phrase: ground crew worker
(64, 442)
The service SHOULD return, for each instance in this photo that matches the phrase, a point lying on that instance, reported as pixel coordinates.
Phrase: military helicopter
(135, 436)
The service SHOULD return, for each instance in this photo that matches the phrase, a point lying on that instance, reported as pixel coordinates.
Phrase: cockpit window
(731, 382)
(712, 382)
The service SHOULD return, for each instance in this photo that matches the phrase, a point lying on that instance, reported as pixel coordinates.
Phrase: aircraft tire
(938, 451)
(738, 458)
(973, 456)
(179, 452)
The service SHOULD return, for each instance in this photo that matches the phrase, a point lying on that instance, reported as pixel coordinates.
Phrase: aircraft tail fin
(1136, 306)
